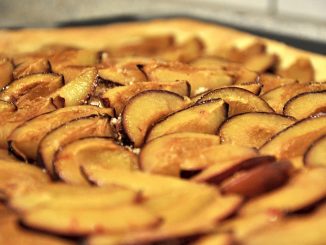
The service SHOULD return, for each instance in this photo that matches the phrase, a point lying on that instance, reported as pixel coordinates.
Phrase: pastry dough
(98, 37)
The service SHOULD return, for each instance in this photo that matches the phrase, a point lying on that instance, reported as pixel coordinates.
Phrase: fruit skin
(304, 189)
(258, 180)
(216, 177)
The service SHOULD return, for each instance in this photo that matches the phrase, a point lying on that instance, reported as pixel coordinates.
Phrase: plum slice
(78, 90)
(13, 119)
(126, 74)
(118, 97)
(306, 104)
(205, 207)
(68, 132)
(62, 221)
(17, 177)
(28, 88)
(316, 153)
(146, 108)
(6, 69)
(253, 129)
(184, 52)
(207, 78)
(253, 87)
(31, 66)
(220, 171)
(17, 234)
(261, 62)
(215, 238)
(302, 70)
(24, 140)
(311, 228)
(258, 180)
(60, 195)
(292, 142)
(239, 100)
(144, 46)
(304, 189)
(169, 153)
(205, 117)
(92, 150)
(278, 97)
(271, 81)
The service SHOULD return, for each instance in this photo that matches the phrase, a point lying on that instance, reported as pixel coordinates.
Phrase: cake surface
(160, 132)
